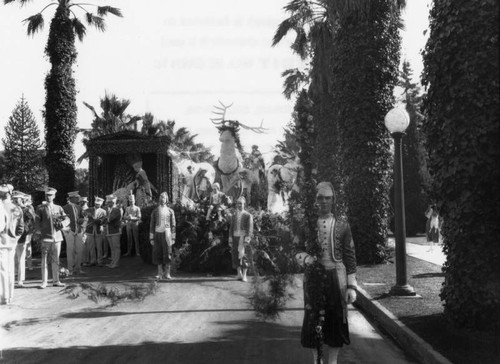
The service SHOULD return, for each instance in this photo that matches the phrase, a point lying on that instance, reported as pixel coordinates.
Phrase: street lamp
(396, 121)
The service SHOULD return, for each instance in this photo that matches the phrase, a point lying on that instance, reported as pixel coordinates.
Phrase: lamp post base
(404, 290)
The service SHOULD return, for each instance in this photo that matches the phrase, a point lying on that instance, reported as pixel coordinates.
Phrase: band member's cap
(324, 189)
(242, 199)
(50, 191)
(99, 200)
(110, 198)
(73, 194)
(83, 199)
(216, 184)
(18, 194)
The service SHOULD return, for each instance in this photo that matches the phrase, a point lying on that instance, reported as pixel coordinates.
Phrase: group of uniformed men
(87, 232)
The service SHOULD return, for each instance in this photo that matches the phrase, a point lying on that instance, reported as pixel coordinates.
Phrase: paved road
(189, 320)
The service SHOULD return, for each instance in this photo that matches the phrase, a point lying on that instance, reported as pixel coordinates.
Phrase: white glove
(352, 285)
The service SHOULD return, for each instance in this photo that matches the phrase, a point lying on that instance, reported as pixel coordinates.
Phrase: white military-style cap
(110, 198)
(50, 191)
(99, 200)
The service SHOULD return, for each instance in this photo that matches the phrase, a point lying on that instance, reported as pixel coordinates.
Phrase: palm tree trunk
(60, 104)
(364, 73)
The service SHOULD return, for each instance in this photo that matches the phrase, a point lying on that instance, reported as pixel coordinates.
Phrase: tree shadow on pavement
(241, 342)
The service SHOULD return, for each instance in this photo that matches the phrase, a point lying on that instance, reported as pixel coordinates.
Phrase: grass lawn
(424, 315)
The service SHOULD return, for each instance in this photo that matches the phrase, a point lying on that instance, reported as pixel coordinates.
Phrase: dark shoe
(59, 284)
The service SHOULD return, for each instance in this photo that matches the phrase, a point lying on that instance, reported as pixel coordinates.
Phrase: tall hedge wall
(462, 130)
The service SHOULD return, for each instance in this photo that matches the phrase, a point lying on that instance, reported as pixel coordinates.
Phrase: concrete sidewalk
(412, 344)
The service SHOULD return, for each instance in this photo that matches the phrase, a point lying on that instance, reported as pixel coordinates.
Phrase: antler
(258, 130)
(221, 112)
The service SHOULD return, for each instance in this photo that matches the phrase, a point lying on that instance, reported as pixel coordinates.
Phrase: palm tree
(354, 52)
(181, 139)
(364, 74)
(60, 102)
(112, 119)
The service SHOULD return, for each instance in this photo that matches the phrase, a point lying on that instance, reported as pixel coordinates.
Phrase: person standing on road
(96, 217)
(162, 236)
(29, 218)
(240, 235)
(133, 218)
(13, 230)
(49, 221)
(338, 260)
(73, 234)
(432, 226)
(114, 233)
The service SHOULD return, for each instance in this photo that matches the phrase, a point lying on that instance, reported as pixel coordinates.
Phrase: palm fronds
(79, 28)
(35, 23)
(294, 79)
(104, 10)
(96, 21)
(113, 295)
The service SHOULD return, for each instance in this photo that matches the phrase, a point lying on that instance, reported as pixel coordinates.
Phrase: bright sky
(175, 60)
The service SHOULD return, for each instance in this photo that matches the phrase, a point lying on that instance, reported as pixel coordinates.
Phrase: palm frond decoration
(79, 28)
(35, 23)
(104, 10)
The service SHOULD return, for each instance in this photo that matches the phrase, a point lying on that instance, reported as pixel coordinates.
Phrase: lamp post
(396, 121)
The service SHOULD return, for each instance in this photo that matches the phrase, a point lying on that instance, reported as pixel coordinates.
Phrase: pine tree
(22, 149)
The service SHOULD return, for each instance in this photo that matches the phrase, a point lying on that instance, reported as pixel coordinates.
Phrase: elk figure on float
(230, 163)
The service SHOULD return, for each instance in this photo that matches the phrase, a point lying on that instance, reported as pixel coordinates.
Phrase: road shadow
(240, 342)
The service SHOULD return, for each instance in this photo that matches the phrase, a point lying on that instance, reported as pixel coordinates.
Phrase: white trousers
(114, 242)
(21, 262)
(50, 254)
(6, 274)
(74, 250)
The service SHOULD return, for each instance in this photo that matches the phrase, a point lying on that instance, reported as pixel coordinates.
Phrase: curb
(410, 342)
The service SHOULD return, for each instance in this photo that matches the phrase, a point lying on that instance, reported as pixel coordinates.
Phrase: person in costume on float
(217, 198)
(162, 236)
(339, 261)
(240, 235)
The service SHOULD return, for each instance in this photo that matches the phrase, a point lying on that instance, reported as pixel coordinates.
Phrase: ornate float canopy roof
(127, 141)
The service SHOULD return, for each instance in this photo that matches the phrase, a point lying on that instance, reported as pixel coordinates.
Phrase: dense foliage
(365, 71)
(24, 167)
(462, 129)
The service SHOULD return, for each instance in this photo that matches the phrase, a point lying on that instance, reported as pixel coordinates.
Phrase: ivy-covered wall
(463, 142)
